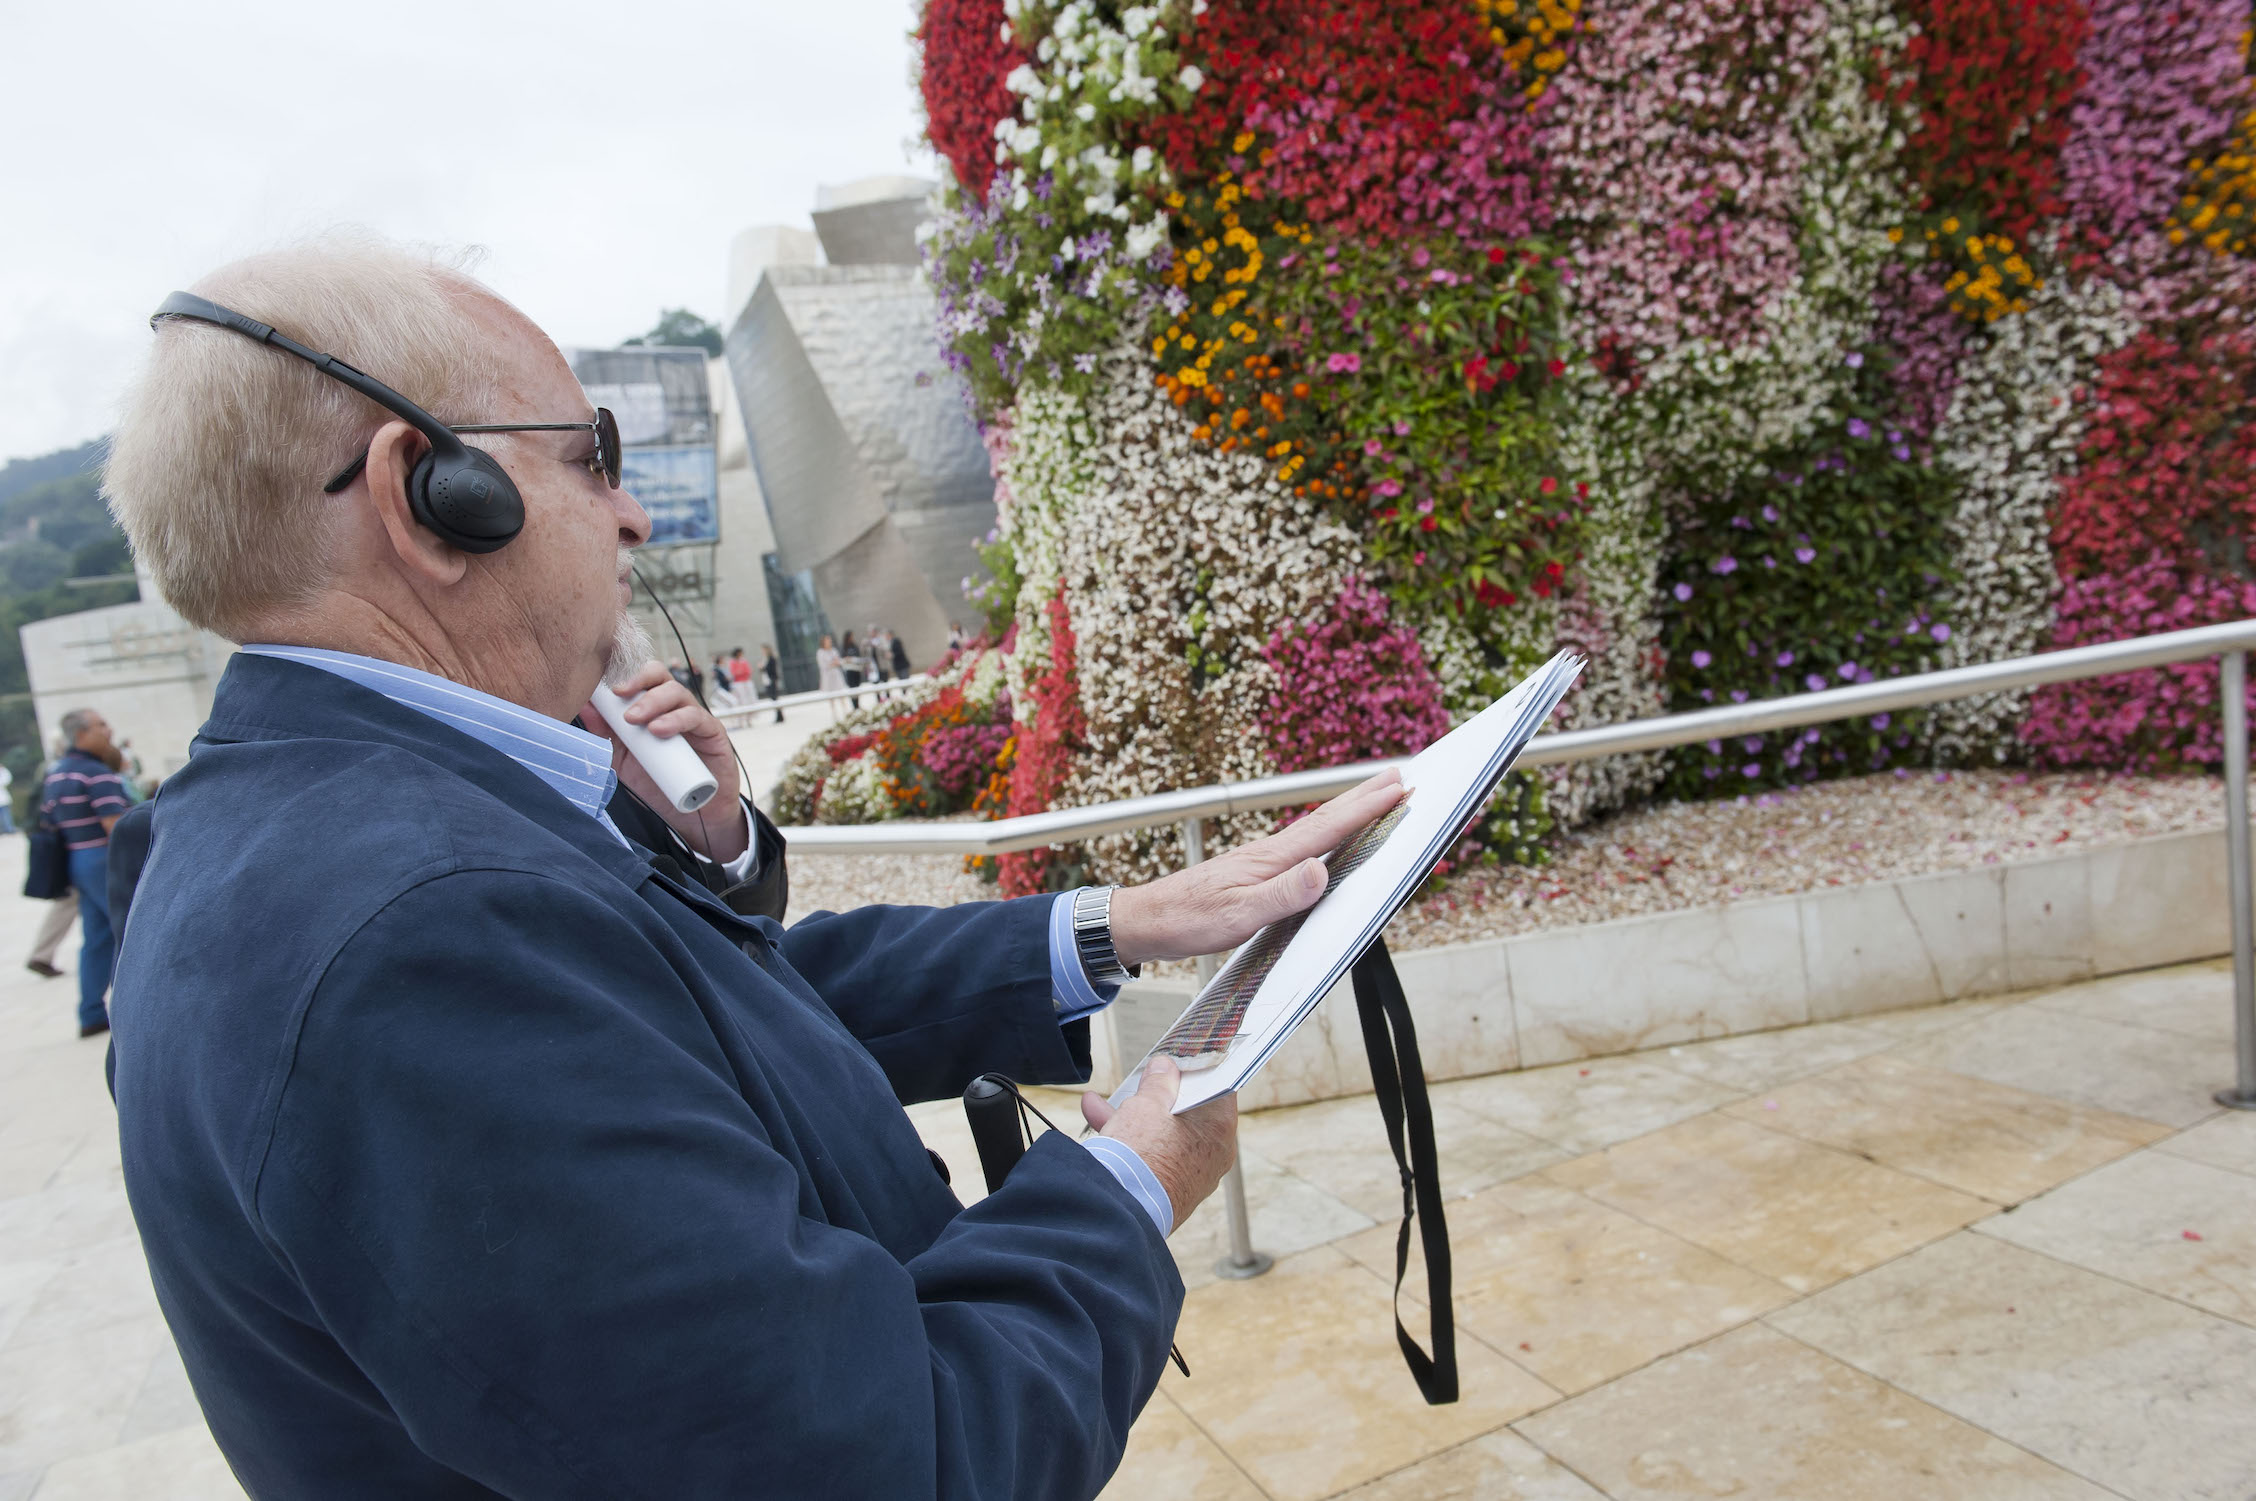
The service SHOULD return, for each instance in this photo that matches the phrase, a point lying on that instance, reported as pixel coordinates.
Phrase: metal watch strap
(1092, 937)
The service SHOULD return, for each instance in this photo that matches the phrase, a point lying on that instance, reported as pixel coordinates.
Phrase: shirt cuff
(741, 868)
(1071, 990)
(1135, 1175)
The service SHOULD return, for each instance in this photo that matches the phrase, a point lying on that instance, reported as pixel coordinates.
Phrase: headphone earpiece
(466, 497)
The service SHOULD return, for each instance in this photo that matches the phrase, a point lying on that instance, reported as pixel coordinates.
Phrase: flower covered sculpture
(1342, 359)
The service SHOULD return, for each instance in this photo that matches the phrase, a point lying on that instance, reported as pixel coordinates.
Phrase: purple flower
(1880, 721)
(1816, 681)
(1751, 770)
(1785, 659)
(1701, 659)
(1848, 671)
(1738, 695)
(1725, 564)
(1856, 359)
(1939, 632)
(1682, 592)
(1752, 743)
(1713, 772)
(1805, 554)
(1902, 454)
(1715, 747)
(1770, 513)
(1859, 428)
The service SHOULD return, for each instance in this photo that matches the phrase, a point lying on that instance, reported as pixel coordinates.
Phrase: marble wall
(1642, 982)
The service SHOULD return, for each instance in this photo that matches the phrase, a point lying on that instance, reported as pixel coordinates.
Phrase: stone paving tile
(68, 1397)
(1341, 1147)
(1494, 1467)
(1754, 1414)
(2227, 1141)
(18, 1487)
(183, 1465)
(2179, 1228)
(2158, 1076)
(1287, 1214)
(2003, 1144)
(1577, 1292)
(166, 1401)
(91, 1289)
(1168, 1457)
(1915, 1022)
(2138, 1393)
(1765, 1060)
(1584, 1106)
(1803, 1214)
(1297, 1376)
(2192, 999)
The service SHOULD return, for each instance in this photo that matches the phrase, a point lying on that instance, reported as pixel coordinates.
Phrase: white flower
(1191, 78)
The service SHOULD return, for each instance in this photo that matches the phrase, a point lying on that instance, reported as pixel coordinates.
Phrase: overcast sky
(603, 155)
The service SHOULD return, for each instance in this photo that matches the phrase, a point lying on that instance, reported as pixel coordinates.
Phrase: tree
(681, 329)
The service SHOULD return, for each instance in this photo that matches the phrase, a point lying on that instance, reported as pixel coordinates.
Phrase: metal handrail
(1191, 806)
(1794, 711)
(819, 696)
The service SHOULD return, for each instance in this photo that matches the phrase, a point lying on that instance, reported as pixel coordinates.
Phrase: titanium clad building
(876, 482)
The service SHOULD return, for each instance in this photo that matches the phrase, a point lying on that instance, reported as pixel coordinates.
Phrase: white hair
(216, 468)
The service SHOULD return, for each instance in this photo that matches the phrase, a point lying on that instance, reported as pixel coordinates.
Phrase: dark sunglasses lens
(607, 444)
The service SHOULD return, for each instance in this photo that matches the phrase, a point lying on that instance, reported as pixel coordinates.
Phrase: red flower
(1495, 255)
(1549, 485)
(1493, 597)
(964, 63)
(1426, 525)
(1558, 368)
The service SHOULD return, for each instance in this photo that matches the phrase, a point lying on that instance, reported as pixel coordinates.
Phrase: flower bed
(1342, 360)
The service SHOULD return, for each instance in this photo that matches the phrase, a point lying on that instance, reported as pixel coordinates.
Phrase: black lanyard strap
(1398, 1078)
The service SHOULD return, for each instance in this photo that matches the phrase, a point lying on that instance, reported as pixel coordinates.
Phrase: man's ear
(392, 456)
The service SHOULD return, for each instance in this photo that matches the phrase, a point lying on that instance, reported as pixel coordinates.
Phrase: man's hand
(1222, 902)
(721, 830)
(1188, 1153)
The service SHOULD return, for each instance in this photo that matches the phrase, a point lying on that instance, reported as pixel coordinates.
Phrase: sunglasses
(604, 462)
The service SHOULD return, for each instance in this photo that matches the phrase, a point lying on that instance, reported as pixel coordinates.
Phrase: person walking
(771, 678)
(850, 661)
(900, 654)
(740, 676)
(83, 797)
(831, 671)
(955, 636)
(721, 694)
(53, 929)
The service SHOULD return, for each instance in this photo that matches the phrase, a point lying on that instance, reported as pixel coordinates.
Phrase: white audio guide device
(680, 775)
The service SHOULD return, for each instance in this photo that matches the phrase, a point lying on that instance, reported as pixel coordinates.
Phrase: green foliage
(997, 594)
(1812, 573)
(18, 475)
(679, 328)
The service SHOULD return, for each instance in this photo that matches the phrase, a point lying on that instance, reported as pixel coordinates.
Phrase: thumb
(1162, 1081)
(1288, 892)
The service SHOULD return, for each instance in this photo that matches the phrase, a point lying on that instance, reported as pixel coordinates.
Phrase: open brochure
(1277, 977)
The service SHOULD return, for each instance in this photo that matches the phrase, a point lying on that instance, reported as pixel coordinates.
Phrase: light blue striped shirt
(578, 766)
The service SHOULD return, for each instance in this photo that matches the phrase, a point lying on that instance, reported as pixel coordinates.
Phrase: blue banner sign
(677, 485)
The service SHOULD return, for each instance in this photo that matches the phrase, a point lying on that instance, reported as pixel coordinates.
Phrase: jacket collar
(262, 699)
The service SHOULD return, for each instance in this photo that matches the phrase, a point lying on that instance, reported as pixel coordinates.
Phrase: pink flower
(1343, 364)
(1391, 487)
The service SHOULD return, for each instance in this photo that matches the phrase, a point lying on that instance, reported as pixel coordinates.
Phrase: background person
(83, 797)
(53, 929)
(899, 653)
(850, 662)
(771, 678)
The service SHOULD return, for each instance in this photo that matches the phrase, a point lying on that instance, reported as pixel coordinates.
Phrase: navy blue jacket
(475, 1156)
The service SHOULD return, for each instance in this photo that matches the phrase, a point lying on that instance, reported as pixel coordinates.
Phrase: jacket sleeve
(941, 995)
(521, 1184)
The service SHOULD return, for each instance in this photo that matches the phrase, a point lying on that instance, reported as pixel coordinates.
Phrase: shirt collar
(569, 759)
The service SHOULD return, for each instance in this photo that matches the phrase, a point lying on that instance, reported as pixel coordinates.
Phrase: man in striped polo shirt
(82, 798)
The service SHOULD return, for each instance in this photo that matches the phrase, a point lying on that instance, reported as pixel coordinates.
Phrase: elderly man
(481, 1150)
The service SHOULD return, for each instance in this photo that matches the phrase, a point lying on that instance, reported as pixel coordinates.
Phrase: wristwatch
(1092, 937)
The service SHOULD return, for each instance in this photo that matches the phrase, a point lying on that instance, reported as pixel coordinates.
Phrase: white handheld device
(680, 775)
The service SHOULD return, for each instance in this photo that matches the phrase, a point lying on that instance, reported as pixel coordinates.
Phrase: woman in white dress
(827, 662)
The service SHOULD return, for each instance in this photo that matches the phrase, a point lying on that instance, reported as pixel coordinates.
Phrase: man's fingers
(1296, 890)
(1095, 1109)
(1343, 815)
(649, 675)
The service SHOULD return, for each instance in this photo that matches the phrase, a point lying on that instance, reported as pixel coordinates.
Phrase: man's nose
(634, 521)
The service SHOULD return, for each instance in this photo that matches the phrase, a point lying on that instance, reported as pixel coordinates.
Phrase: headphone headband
(457, 491)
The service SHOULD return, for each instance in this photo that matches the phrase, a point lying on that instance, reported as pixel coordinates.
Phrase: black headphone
(458, 492)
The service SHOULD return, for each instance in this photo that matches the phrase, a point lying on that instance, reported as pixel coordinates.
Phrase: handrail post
(2233, 689)
(1243, 1261)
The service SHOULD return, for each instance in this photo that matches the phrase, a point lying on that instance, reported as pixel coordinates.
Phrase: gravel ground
(1679, 855)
